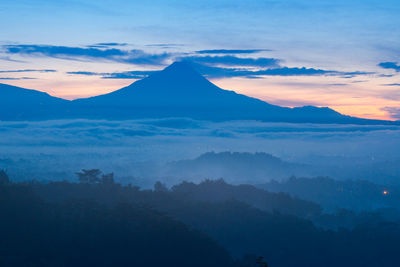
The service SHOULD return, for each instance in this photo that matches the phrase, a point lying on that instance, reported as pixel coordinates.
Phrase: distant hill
(236, 167)
(177, 91)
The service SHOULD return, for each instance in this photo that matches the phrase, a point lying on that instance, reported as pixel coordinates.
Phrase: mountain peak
(181, 70)
(180, 77)
(180, 66)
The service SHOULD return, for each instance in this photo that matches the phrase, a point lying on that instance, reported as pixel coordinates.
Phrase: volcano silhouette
(177, 91)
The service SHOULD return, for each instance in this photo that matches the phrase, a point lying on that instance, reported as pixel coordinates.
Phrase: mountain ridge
(177, 91)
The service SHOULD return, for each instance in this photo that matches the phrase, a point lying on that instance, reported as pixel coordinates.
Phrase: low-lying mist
(143, 151)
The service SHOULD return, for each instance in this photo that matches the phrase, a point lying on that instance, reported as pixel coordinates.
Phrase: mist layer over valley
(142, 151)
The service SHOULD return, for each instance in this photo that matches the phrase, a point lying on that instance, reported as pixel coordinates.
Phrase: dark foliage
(331, 194)
(87, 224)
(219, 191)
(4, 179)
(86, 233)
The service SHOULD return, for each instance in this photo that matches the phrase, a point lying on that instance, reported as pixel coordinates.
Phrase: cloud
(231, 51)
(213, 66)
(86, 73)
(360, 81)
(219, 72)
(129, 75)
(23, 71)
(26, 70)
(115, 75)
(213, 72)
(63, 51)
(385, 75)
(88, 132)
(394, 112)
(337, 84)
(167, 45)
(136, 57)
(11, 60)
(391, 84)
(232, 66)
(15, 79)
(112, 44)
(351, 74)
(260, 62)
(390, 65)
(285, 71)
(103, 45)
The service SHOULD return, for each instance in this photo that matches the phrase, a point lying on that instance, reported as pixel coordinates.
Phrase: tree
(261, 262)
(107, 178)
(4, 177)
(89, 176)
(160, 187)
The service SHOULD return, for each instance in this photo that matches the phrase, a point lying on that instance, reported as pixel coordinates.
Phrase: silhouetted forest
(83, 232)
(98, 222)
(332, 194)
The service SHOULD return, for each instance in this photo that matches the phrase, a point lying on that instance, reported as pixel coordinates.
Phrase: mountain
(177, 91)
(180, 91)
(17, 103)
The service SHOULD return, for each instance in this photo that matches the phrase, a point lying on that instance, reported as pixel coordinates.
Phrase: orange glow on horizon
(353, 100)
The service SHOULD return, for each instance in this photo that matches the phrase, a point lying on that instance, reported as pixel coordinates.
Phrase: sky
(344, 54)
